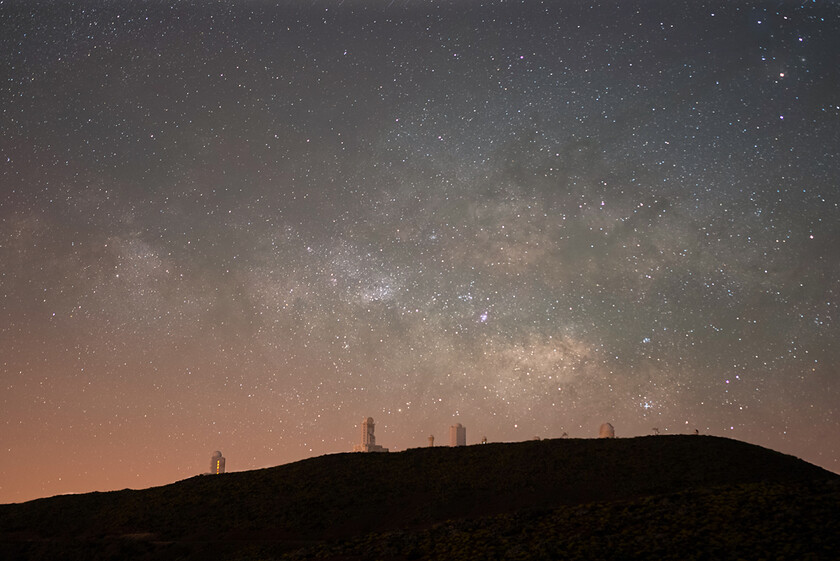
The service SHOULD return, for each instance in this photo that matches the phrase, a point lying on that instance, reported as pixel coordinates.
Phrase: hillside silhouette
(680, 497)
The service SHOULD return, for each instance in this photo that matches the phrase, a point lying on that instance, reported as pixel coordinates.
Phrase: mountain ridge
(338, 498)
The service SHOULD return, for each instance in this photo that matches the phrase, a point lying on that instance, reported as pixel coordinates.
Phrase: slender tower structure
(217, 463)
(368, 439)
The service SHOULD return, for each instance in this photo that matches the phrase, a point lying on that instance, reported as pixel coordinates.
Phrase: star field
(245, 226)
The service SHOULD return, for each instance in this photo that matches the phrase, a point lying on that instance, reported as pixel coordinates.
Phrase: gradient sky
(246, 225)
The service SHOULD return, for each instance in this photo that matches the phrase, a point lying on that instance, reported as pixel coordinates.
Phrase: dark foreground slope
(679, 496)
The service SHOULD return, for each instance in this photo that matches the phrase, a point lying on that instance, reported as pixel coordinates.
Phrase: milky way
(245, 226)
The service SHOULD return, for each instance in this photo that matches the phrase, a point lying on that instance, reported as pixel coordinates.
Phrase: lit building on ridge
(217, 463)
(368, 443)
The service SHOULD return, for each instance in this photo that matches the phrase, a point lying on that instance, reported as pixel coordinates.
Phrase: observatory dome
(607, 431)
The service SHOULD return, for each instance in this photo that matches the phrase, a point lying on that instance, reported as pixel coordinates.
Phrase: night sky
(244, 226)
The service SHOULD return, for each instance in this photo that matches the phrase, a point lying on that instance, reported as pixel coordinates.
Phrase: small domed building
(607, 431)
